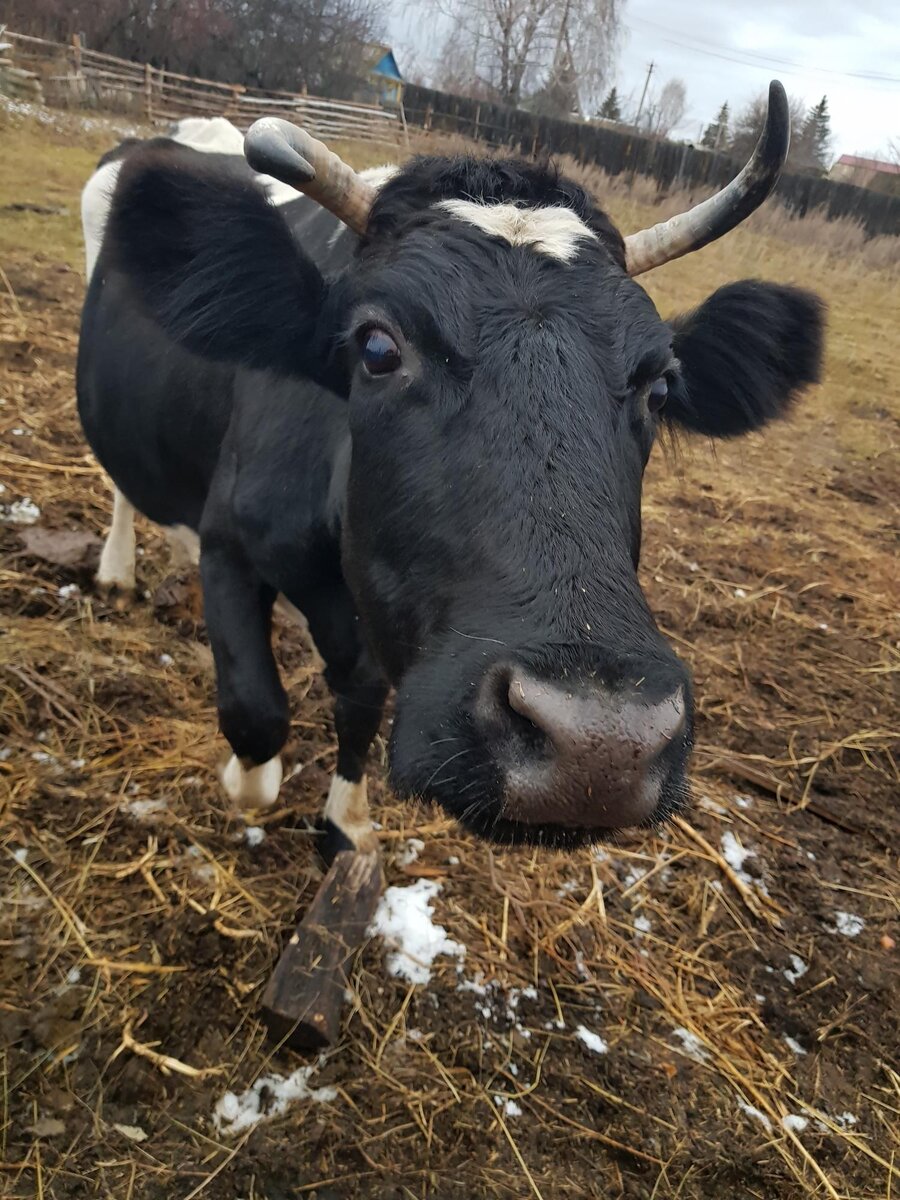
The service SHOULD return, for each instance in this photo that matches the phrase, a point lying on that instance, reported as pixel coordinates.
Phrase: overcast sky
(730, 49)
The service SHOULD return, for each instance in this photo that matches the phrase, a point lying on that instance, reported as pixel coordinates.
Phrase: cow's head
(506, 380)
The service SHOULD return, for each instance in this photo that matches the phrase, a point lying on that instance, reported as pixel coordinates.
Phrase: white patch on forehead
(555, 231)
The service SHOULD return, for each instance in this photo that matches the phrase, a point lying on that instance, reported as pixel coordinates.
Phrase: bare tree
(664, 110)
(750, 121)
(317, 44)
(528, 48)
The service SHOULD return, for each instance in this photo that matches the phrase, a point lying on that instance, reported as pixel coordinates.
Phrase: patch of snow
(409, 852)
(740, 593)
(736, 855)
(21, 854)
(845, 1120)
(254, 835)
(754, 1112)
(593, 1041)
(793, 1044)
(142, 810)
(474, 985)
(642, 925)
(404, 919)
(269, 1097)
(134, 1133)
(796, 970)
(635, 875)
(513, 1069)
(453, 861)
(568, 887)
(601, 855)
(6, 754)
(20, 512)
(744, 801)
(510, 1108)
(73, 976)
(691, 1045)
(77, 764)
(711, 805)
(166, 660)
(69, 591)
(848, 924)
(794, 1122)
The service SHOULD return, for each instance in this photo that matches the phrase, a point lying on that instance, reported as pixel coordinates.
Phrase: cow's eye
(380, 353)
(658, 394)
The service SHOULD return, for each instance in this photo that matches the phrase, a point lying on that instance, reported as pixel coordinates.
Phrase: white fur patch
(117, 559)
(347, 807)
(555, 231)
(184, 545)
(253, 787)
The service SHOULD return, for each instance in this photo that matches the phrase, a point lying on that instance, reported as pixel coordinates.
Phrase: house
(865, 172)
(384, 83)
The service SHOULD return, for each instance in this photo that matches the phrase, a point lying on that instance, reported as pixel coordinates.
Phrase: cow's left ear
(745, 354)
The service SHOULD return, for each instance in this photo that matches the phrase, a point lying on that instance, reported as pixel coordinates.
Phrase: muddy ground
(748, 1019)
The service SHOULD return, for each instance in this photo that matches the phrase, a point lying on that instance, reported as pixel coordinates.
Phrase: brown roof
(869, 164)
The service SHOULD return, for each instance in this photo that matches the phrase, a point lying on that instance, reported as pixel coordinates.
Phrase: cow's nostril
(504, 712)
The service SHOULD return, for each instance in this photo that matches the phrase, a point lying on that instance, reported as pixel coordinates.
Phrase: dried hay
(138, 925)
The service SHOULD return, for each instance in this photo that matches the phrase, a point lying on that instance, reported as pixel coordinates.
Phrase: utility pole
(637, 119)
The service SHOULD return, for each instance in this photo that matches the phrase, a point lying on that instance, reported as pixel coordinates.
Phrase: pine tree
(611, 109)
(812, 148)
(715, 136)
(820, 134)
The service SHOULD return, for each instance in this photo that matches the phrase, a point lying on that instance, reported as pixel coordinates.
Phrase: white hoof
(254, 787)
(117, 560)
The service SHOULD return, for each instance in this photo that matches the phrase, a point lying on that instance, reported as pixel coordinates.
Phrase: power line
(750, 58)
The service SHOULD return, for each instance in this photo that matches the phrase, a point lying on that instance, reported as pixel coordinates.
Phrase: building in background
(867, 172)
(383, 83)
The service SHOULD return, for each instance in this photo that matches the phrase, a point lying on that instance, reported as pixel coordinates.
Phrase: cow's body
(255, 461)
(431, 442)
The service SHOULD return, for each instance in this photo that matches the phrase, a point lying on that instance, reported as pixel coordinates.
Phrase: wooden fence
(619, 151)
(72, 76)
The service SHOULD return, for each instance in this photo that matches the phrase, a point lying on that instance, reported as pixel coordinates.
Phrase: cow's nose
(580, 757)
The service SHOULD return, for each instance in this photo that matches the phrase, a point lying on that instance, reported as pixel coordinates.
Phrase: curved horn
(737, 200)
(275, 147)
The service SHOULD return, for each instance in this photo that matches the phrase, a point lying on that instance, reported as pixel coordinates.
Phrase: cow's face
(506, 381)
(505, 393)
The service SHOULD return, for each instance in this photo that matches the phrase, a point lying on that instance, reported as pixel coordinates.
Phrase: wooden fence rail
(73, 76)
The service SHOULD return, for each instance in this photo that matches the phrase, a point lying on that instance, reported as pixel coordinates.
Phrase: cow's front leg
(116, 569)
(360, 691)
(253, 707)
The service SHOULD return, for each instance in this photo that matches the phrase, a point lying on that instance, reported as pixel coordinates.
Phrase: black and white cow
(428, 434)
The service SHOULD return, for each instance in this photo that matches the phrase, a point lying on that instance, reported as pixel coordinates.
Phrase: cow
(418, 407)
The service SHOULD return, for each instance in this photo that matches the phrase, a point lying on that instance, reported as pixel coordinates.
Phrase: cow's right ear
(213, 262)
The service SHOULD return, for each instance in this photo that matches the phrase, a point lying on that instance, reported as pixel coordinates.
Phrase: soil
(139, 922)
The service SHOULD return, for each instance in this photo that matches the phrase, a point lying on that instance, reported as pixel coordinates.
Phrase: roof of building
(381, 61)
(868, 164)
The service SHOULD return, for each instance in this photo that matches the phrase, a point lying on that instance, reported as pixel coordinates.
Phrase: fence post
(148, 91)
(76, 52)
(477, 120)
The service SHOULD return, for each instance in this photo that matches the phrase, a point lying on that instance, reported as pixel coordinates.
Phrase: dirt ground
(746, 1011)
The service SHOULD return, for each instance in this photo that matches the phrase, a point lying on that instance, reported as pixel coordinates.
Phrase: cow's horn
(275, 147)
(713, 217)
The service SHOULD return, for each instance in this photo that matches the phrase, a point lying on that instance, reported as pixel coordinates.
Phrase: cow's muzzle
(589, 758)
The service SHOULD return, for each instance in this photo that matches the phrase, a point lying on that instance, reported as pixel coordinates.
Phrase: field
(710, 1012)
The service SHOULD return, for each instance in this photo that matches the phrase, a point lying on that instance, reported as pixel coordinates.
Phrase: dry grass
(139, 927)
